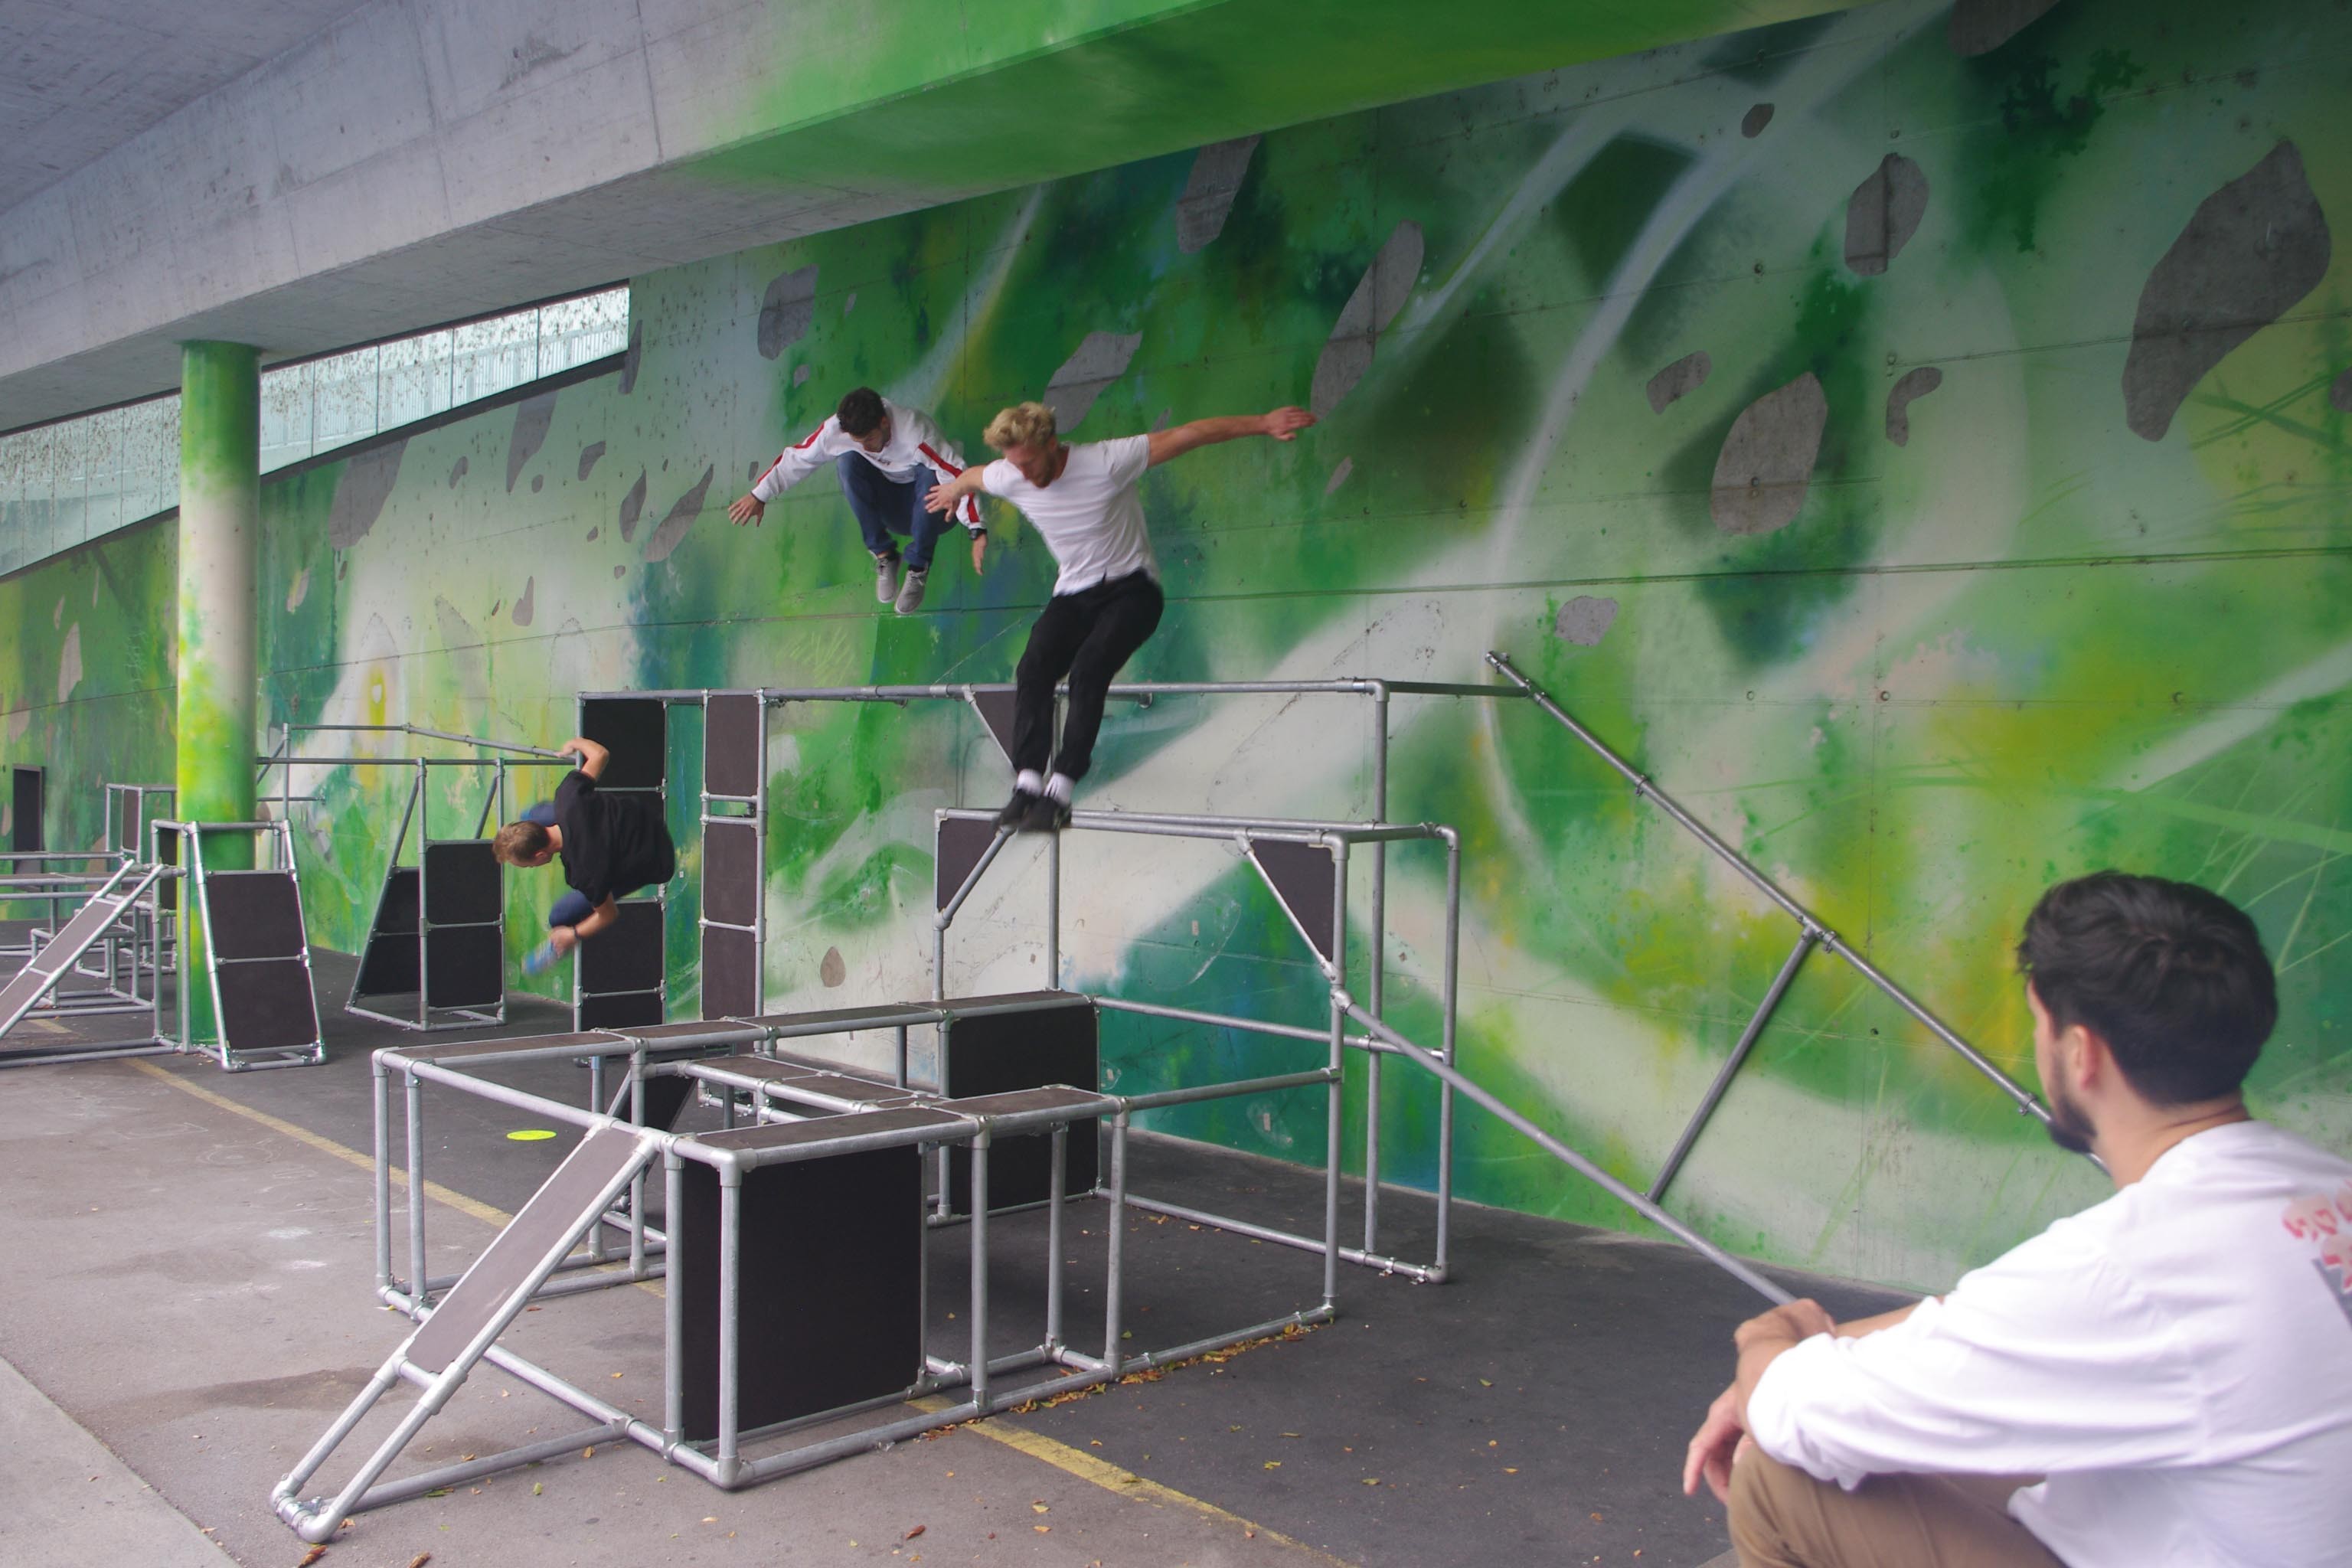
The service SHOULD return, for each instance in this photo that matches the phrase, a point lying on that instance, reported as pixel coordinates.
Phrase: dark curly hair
(2172, 976)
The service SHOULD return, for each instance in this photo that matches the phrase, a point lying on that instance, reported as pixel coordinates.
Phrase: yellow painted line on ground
(473, 1207)
(324, 1145)
(1124, 1483)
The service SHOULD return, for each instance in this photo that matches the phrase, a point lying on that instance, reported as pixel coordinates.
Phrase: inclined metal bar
(1715, 1091)
(2025, 1102)
(1569, 1157)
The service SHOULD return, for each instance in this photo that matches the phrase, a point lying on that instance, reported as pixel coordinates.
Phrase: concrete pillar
(220, 528)
(220, 532)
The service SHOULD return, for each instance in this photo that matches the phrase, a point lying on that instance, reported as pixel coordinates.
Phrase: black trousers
(1087, 635)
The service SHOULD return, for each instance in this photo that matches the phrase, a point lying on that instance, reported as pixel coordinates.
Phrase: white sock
(1028, 782)
(1057, 788)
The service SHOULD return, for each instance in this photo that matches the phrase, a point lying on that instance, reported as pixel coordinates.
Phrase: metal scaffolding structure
(794, 1108)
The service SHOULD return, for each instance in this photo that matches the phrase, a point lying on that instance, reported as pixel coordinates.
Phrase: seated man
(612, 846)
(2176, 1360)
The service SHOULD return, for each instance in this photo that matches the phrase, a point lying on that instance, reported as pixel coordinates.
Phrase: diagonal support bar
(2023, 1100)
(1723, 1077)
(1462, 1083)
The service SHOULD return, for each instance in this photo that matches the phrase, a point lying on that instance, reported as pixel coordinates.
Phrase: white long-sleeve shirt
(2177, 1360)
(916, 450)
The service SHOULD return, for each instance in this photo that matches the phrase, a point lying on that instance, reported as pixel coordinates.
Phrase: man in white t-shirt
(1107, 601)
(887, 456)
(2176, 1361)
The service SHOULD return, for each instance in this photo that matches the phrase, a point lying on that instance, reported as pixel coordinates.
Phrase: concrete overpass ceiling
(419, 161)
(80, 78)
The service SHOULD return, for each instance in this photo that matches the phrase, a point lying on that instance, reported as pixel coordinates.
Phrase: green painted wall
(2081, 603)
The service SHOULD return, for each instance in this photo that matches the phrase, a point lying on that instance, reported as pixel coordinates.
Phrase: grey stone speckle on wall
(1752, 125)
(633, 507)
(1584, 620)
(680, 518)
(1767, 462)
(1980, 26)
(525, 606)
(1101, 358)
(2250, 252)
(1884, 213)
(1339, 475)
(800, 374)
(830, 970)
(1379, 294)
(457, 472)
(2340, 394)
(786, 310)
(1208, 198)
(634, 358)
(1916, 384)
(532, 417)
(360, 493)
(588, 455)
(1680, 379)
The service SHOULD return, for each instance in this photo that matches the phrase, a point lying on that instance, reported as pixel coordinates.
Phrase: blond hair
(1023, 425)
(520, 842)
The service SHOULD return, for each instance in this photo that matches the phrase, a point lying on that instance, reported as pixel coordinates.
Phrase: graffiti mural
(1916, 437)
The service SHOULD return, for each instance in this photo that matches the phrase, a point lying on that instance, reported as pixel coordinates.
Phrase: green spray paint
(220, 520)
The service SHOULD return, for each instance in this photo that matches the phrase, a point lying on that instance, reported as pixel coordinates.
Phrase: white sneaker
(910, 593)
(886, 579)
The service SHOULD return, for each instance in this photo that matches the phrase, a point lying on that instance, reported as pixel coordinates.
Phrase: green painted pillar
(220, 527)
(220, 531)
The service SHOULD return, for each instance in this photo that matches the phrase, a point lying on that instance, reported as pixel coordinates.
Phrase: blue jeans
(885, 506)
(571, 906)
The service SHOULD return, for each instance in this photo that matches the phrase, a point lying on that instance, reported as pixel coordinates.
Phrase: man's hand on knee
(1713, 1446)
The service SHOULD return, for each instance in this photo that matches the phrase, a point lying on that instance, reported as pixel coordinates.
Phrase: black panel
(461, 883)
(631, 1010)
(730, 872)
(465, 966)
(996, 710)
(126, 823)
(961, 845)
(731, 759)
(625, 955)
(254, 914)
(167, 849)
(1021, 1050)
(25, 812)
(831, 1285)
(1300, 875)
(635, 730)
(389, 967)
(266, 1004)
(730, 972)
(665, 1097)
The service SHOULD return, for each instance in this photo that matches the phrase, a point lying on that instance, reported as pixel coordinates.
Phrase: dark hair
(860, 412)
(2172, 976)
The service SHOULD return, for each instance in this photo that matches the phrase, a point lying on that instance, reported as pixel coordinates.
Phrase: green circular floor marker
(530, 1136)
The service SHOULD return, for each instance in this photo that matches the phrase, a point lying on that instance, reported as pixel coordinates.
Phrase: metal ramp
(42, 972)
(464, 1330)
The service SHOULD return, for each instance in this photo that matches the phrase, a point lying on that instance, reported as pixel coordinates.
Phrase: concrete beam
(424, 160)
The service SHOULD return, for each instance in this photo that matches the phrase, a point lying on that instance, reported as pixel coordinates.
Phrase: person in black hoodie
(610, 846)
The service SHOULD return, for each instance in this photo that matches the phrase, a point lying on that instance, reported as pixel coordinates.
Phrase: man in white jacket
(2175, 1362)
(889, 457)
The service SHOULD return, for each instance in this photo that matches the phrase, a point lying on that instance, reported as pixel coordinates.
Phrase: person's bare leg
(1782, 1518)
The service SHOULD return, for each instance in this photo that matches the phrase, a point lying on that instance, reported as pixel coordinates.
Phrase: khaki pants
(1782, 1518)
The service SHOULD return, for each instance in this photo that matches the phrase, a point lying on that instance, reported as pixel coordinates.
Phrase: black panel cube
(831, 1285)
(1003, 1051)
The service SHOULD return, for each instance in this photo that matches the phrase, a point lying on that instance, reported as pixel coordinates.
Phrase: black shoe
(1016, 810)
(1045, 814)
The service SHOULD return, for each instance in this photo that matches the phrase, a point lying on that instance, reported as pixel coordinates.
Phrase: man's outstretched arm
(943, 498)
(593, 757)
(1283, 425)
(566, 938)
